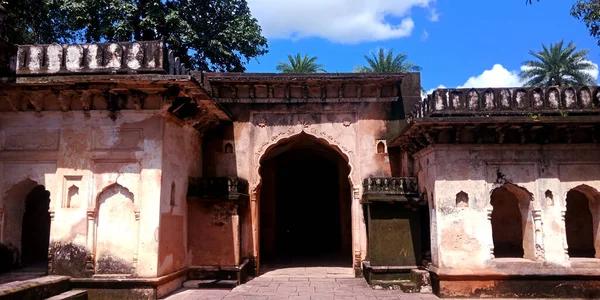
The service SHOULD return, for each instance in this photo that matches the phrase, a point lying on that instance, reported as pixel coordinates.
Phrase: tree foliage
(387, 63)
(558, 65)
(588, 11)
(299, 64)
(217, 35)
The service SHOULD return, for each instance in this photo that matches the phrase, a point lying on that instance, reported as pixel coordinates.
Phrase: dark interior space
(507, 226)
(36, 228)
(579, 225)
(305, 205)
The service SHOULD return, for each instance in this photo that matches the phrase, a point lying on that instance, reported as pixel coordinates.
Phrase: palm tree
(300, 64)
(387, 63)
(558, 66)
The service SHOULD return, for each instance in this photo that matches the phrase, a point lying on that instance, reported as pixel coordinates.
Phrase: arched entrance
(305, 204)
(25, 230)
(36, 228)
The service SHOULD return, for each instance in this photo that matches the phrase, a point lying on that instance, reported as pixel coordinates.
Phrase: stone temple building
(130, 174)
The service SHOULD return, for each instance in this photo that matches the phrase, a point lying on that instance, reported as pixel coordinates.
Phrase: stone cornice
(179, 96)
(301, 88)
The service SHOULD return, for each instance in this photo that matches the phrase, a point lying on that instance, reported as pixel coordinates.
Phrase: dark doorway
(305, 205)
(579, 225)
(35, 236)
(507, 224)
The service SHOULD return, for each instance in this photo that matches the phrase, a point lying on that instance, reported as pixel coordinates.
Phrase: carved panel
(337, 129)
(32, 139)
(117, 139)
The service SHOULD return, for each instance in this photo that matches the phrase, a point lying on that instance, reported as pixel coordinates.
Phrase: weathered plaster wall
(97, 171)
(353, 129)
(182, 154)
(461, 233)
(213, 233)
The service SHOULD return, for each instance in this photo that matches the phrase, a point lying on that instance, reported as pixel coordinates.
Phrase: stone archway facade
(341, 133)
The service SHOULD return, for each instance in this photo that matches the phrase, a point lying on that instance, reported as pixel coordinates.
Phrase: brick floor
(300, 283)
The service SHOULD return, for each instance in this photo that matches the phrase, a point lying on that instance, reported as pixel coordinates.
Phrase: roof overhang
(301, 88)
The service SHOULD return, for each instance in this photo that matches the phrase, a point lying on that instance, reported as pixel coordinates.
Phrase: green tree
(217, 35)
(299, 64)
(558, 65)
(387, 63)
(588, 11)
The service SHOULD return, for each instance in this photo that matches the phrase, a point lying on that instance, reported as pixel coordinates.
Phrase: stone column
(563, 213)
(136, 243)
(91, 236)
(489, 211)
(538, 235)
(50, 254)
(254, 213)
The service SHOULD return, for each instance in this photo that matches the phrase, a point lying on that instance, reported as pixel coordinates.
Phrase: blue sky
(472, 43)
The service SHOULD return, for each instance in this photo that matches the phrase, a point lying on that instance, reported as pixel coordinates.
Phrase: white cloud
(434, 16)
(593, 72)
(425, 35)
(499, 76)
(342, 21)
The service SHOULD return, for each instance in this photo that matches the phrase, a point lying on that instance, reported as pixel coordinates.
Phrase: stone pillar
(50, 254)
(91, 235)
(489, 211)
(563, 213)
(137, 246)
(538, 235)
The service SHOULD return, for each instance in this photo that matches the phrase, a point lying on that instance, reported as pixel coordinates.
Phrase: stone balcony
(218, 188)
(103, 58)
(539, 115)
(391, 189)
(550, 101)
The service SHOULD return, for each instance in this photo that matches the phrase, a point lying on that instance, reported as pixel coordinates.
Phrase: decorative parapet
(218, 188)
(102, 58)
(508, 101)
(402, 189)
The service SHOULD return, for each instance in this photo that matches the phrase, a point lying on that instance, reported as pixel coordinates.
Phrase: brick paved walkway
(300, 283)
(310, 283)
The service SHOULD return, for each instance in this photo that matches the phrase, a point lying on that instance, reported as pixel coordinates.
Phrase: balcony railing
(218, 188)
(508, 102)
(391, 189)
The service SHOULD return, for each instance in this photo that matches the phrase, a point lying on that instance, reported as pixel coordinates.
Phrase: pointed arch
(115, 216)
(582, 221)
(279, 144)
(512, 222)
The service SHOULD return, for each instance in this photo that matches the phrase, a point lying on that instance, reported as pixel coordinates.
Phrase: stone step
(210, 284)
(71, 295)
(37, 288)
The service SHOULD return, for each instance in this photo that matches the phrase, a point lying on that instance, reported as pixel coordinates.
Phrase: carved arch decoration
(112, 264)
(348, 151)
(284, 136)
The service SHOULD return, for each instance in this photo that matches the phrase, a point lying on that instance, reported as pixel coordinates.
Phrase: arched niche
(582, 222)
(512, 222)
(116, 216)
